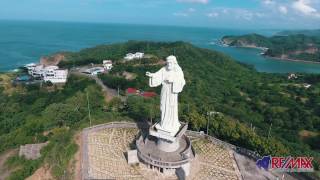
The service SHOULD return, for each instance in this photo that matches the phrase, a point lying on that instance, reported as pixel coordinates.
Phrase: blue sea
(22, 42)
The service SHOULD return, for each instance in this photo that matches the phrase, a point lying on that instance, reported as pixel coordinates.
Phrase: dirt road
(109, 92)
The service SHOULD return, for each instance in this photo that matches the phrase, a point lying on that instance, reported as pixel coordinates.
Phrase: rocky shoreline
(52, 60)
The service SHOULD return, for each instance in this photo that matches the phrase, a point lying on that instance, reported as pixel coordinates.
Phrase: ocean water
(22, 42)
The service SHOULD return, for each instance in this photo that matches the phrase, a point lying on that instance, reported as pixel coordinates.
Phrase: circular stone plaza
(105, 150)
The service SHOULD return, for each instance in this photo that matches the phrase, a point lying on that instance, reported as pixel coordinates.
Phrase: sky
(244, 14)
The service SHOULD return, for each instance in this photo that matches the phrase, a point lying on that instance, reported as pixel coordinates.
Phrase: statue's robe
(169, 97)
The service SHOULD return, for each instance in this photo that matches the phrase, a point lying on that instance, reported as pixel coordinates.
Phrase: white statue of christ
(172, 79)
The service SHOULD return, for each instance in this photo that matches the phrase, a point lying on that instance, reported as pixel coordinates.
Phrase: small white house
(107, 64)
(292, 76)
(307, 86)
(137, 55)
(56, 76)
(129, 56)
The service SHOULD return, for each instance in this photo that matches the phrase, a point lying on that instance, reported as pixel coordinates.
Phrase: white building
(137, 55)
(40, 70)
(47, 73)
(50, 68)
(107, 64)
(37, 71)
(56, 76)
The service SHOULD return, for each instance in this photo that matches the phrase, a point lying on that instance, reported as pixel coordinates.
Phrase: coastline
(264, 49)
(292, 60)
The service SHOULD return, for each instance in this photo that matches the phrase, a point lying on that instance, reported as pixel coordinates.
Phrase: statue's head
(171, 62)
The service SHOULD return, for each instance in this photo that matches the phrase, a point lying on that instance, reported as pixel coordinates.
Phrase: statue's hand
(148, 74)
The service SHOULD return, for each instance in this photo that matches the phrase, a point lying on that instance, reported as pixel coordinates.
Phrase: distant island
(292, 47)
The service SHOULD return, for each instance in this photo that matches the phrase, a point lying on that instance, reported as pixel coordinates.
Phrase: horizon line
(151, 24)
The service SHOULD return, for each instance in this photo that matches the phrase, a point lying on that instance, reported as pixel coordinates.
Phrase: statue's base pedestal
(167, 146)
(172, 133)
(166, 141)
(169, 154)
(163, 134)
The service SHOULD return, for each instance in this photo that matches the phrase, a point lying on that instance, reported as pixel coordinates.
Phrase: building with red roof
(134, 91)
(148, 94)
(131, 91)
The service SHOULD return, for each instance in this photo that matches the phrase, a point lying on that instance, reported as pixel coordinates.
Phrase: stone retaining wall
(31, 151)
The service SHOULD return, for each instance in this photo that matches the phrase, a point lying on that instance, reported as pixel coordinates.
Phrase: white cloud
(283, 9)
(244, 14)
(304, 7)
(268, 2)
(185, 13)
(260, 15)
(213, 14)
(181, 14)
(195, 1)
(225, 11)
(191, 10)
(235, 13)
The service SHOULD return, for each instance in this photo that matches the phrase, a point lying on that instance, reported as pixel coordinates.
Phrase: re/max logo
(287, 164)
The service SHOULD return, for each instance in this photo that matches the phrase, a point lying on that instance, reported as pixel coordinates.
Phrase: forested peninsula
(294, 47)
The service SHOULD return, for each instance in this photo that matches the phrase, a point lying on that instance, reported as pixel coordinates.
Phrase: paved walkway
(105, 147)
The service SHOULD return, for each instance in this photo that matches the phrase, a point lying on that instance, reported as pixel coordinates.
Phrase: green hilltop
(262, 112)
(249, 40)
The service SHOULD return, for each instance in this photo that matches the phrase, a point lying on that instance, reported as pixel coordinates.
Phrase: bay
(22, 42)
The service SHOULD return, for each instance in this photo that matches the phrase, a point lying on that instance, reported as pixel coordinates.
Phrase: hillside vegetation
(295, 46)
(36, 115)
(262, 112)
(215, 82)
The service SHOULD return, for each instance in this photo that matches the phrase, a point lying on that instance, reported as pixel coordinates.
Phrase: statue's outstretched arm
(155, 79)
